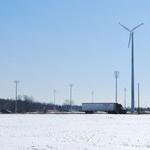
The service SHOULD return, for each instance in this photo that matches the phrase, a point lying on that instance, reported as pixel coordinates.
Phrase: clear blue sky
(47, 44)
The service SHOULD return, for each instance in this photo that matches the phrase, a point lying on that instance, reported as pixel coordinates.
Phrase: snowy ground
(75, 132)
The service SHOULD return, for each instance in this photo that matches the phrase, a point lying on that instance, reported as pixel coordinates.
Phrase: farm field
(74, 132)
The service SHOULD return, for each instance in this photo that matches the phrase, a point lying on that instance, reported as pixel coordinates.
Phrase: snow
(74, 132)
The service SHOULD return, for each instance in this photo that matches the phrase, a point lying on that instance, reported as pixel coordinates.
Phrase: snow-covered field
(74, 132)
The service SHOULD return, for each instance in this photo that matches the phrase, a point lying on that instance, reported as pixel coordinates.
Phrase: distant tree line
(26, 104)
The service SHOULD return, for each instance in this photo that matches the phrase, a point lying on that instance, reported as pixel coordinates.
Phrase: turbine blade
(124, 27)
(137, 26)
(129, 39)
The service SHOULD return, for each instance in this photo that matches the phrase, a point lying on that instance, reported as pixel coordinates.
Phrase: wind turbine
(131, 40)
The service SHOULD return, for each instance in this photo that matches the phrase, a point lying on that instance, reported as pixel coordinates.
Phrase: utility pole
(116, 73)
(125, 91)
(70, 85)
(54, 96)
(16, 94)
(92, 94)
(138, 98)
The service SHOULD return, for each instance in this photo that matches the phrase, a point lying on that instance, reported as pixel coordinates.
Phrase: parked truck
(112, 108)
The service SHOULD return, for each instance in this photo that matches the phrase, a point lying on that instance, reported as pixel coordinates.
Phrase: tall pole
(132, 74)
(131, 40)
(54, 96)
(125, 95)
(16, 95)
(70, 85)
(138, 98)
(92, 94)
(116, 73)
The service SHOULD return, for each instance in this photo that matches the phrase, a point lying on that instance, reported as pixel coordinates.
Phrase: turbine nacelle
(131, 31)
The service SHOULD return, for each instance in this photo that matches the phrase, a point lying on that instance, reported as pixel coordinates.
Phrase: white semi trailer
(113, 108)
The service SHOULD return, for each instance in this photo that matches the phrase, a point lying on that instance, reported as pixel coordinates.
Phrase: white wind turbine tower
(131, 40)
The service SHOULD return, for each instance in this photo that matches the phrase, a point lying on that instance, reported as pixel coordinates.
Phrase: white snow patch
(75, 132)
